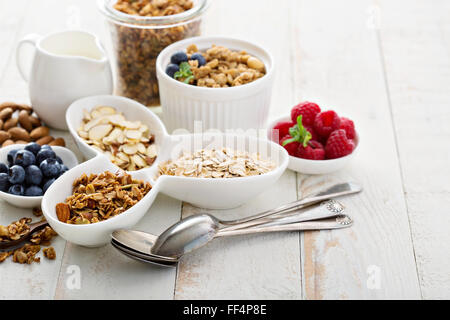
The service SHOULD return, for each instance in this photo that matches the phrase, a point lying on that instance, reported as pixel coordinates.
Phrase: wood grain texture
(338, 65)
(262, 266)
(416, 50)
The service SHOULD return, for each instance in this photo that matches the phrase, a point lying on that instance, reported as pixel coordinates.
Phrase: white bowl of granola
(234, 93)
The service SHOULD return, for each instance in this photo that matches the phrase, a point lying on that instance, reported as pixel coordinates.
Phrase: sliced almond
(100, 131)
(130, 148)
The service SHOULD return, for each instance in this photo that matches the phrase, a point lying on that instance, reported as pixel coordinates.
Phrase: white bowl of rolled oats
(227, 88)
(218, 171)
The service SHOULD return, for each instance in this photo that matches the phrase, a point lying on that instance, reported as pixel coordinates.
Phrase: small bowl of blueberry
(26, 171)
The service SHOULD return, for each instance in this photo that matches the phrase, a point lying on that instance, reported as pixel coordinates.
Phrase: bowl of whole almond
(318, 142)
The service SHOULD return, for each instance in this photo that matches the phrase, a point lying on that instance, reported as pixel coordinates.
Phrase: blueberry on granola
(179, 57)
(171, 69)
(200, 58)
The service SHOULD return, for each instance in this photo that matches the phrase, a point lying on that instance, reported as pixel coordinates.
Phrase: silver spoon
(139, 245)
(197, 230)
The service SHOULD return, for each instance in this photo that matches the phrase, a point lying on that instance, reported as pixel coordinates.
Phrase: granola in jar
(140, 30)
(216, 67)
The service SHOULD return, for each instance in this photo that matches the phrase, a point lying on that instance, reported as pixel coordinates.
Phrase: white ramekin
(244, 107)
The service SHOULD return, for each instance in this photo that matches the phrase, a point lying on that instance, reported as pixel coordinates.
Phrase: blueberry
(63, 169)
(16, 174)
(33, 147)
(4, 182)
(45, 154)
(178, 57)
(171, 69)
(59, 160)
(33, 175)
(11, 155)
(199, 57)
(50, 167)
(24, 158)
(46, 146)
(48, 184)
(33, 191)
(4, 168)
(16, 189)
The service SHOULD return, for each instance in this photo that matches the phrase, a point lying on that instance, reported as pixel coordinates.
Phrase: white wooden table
(386, 64)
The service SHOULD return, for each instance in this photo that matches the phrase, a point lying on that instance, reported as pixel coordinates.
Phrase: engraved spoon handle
(339, 222)
(334, 191)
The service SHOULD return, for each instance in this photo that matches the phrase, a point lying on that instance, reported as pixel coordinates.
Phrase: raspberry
(326, 122)
(338, 145)
(308, 111)
(313, 151)
(280, 130)
(349, 127)
(314, 135)
(290, 147)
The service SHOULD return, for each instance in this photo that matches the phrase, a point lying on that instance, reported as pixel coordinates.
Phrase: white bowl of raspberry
(319, 142)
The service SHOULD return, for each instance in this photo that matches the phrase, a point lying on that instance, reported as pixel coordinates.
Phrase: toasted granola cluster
(216, 163)
(27, 252)
(153, 8)
(98, 197)
(136, 49)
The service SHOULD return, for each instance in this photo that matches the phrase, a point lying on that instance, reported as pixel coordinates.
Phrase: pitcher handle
(29, 39)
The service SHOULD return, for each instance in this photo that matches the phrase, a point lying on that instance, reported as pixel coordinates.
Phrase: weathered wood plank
(339, 66)
(416, 49)
(262, 266)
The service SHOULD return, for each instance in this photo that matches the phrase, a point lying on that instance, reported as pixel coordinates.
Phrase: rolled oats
(128, 144)
(98, 197)
(224, 68)
(216, 163)
(136, 49)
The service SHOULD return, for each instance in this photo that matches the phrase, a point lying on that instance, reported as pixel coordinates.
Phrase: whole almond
(19, 134)
(62, 212)
(8, 104)
(20, 142)
(24, 120)
(26, 108)
(4, 136)
(10, 123)
(57, 142)
(1, 124)
(6, 113)
(35, 121)
(7, 143)
(45, 140)
(39, 132)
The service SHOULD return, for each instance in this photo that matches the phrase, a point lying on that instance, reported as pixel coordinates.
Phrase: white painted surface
(386, 65)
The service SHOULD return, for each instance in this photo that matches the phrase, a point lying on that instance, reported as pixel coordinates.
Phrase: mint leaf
(298, 133)
(185, 72)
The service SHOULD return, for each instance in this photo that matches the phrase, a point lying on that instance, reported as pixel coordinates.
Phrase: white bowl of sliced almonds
(120, 128)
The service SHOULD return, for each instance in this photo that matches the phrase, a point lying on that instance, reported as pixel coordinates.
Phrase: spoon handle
(327, 209)
(338, 222)
(334, 191)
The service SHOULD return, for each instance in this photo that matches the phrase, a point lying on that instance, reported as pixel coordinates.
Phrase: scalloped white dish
(66, 155)
(222, 193)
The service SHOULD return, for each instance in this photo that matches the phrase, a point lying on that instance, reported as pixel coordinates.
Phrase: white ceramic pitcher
(67, 66)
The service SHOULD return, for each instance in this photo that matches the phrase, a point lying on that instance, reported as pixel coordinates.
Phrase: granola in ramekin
(216, 67)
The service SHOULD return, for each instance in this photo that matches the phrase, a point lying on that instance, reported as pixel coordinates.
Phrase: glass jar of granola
(140, 29)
